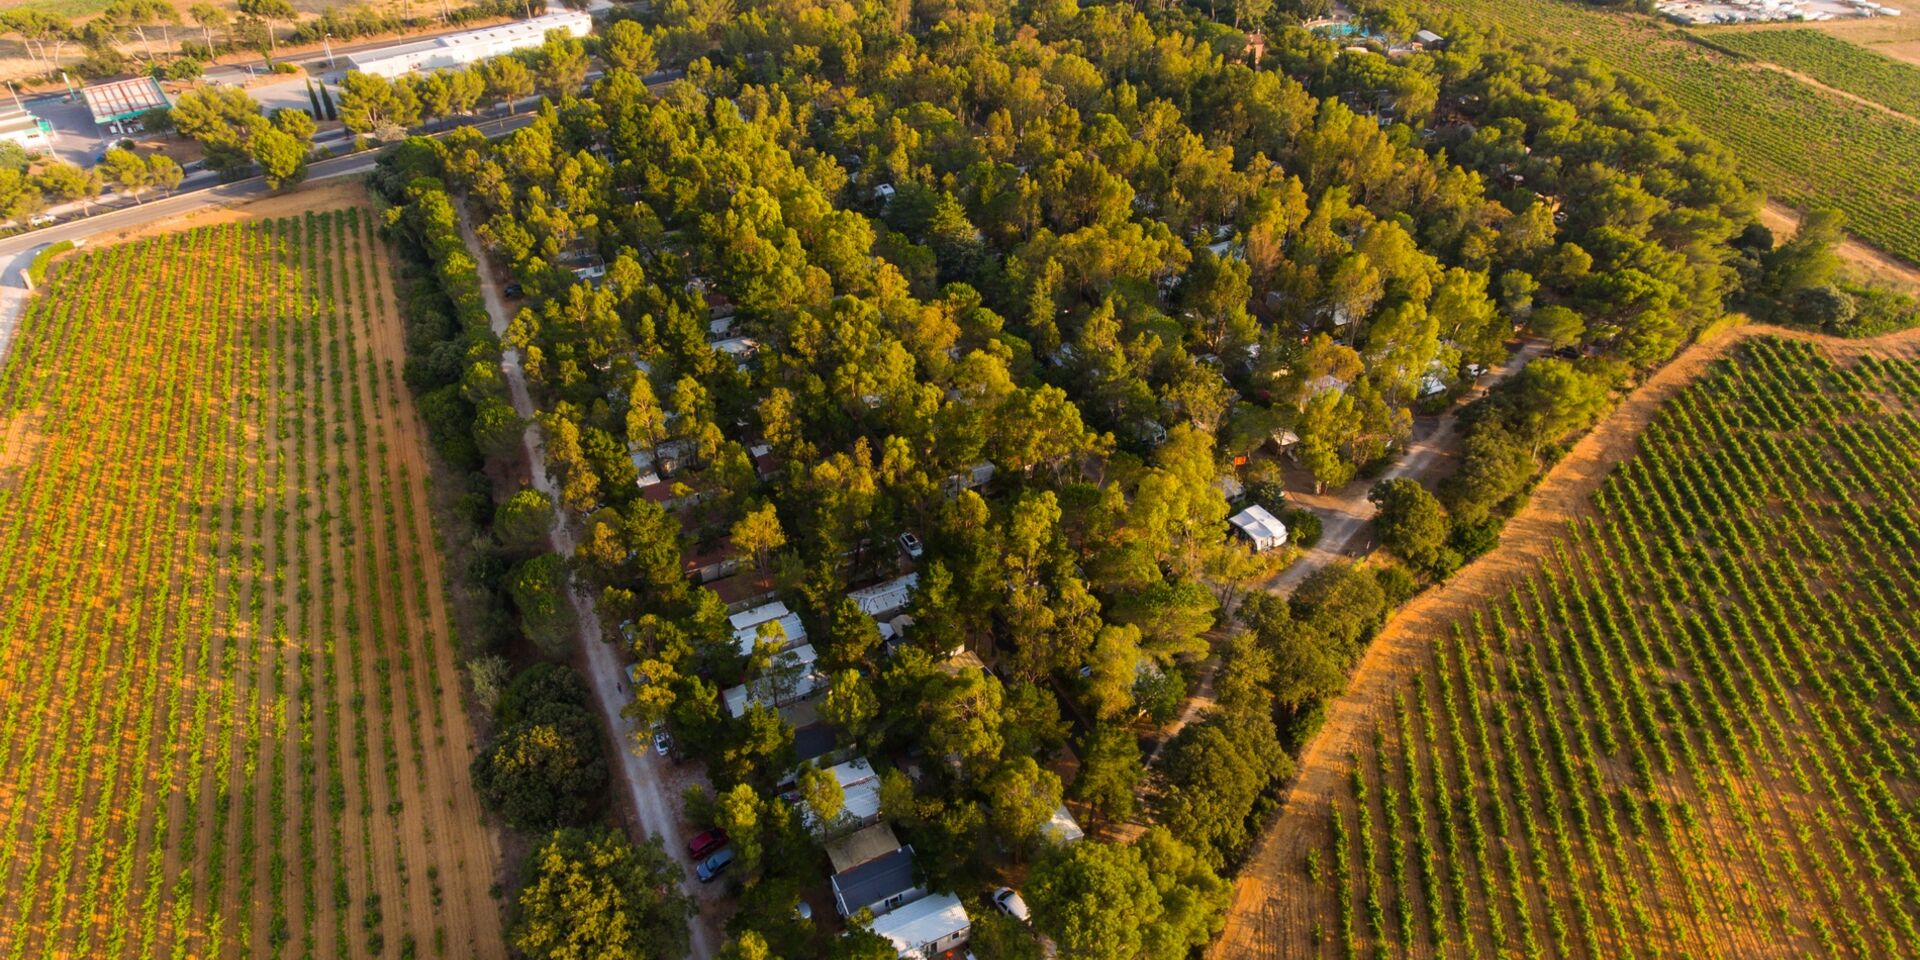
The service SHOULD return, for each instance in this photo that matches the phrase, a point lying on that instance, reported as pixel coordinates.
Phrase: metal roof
(874, 881)
(121, 99)
(1259, 525)
(923, 922)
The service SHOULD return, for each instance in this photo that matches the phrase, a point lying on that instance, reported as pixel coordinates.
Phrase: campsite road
(642, 773)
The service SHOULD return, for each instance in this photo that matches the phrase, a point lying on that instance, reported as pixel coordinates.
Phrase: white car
(911, 544)
(1009, 902)
(661, 742)
(42, 220)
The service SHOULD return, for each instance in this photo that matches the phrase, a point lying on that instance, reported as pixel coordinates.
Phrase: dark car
(711, 866)
(514, 290)
(705, 844)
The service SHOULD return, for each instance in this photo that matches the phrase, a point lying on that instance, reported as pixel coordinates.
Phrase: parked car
(514, 290)
(705, 844)
(662, 742)
(711, 866)
(1009, 902)
(911, 544)
(42, 220)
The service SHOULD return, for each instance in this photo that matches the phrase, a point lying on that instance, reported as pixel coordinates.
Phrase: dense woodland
(1104, 251)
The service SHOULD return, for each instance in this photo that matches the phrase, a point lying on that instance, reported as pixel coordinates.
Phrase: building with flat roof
(118, 101)
(30, 132)
(927, 928)
(886, 598)
(456, 50)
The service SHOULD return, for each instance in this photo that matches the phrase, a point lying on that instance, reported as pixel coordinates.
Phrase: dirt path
(1346, 514)
(643, 777)
(1871, 263)
(1835, 91)
(1269, 882)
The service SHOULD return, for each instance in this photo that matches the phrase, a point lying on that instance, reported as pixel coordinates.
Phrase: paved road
(203, 191)
(642, 774)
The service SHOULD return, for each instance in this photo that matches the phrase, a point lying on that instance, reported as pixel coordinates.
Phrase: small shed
(1262, 529)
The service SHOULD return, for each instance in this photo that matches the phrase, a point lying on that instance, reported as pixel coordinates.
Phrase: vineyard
(1832, 61)
(1805, 146)
(227, 712)
(1688, 732)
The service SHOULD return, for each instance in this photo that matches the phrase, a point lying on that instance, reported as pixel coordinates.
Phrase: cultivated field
(1682, 726)
(1832, 61)
(1806, 146)
(229, 717)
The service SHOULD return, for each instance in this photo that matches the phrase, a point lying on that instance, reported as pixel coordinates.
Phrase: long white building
(461, 49)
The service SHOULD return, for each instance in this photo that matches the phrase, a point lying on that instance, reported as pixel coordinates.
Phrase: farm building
(469, 47)
(931, 927)
(1262, 529)
(887, 598)
(23, 128)
(120, 101)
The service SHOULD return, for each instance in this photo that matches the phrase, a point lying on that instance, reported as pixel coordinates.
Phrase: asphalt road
(210, 194)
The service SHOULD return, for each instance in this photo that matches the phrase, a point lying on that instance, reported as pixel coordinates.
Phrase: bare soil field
(229, 704)
(1696, 865)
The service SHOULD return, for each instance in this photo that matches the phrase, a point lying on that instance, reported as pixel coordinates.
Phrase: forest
(1023, 286)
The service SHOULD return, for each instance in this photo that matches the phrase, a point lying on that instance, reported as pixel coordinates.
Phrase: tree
(757, 535)
(593, 895)
(295, 123)
(507, 80)
(561, 66)
(66, 183)
(207, 16)
(626, 46)
(128, 171)
(167, 174)
(1560, 326)
(267, 13)
(1110, 771)
(547, 770)
(821, 791)
(1115, 662)
(36, 29)
(539, 590)
(522, 521)
(1153, 899)
(1412, 524)
(283, 160)
(1022, 796)
(850, 704)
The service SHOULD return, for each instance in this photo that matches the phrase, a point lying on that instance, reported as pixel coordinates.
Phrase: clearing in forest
(1689, 730)
(228, 708)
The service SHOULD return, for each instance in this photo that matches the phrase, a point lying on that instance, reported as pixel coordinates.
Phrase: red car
(703, 846)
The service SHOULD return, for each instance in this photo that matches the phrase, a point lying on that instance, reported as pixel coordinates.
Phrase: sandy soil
(1268, 892)
(409, 827)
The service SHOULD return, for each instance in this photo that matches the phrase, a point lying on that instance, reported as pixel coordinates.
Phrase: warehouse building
(462, 49)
